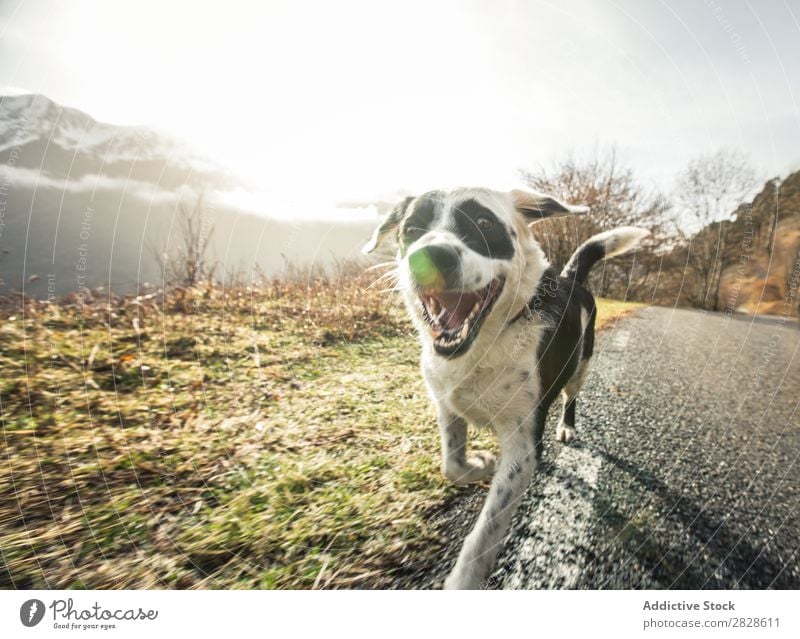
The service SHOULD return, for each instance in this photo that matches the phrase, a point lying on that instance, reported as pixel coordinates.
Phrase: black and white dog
(503, 335)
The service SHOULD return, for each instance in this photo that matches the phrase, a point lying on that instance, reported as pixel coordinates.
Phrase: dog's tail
(599, 247)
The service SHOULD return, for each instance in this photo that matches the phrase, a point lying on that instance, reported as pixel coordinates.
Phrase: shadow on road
(719, 557)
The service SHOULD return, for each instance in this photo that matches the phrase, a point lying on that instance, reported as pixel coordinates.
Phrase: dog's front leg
(478, 554)
(455, 465)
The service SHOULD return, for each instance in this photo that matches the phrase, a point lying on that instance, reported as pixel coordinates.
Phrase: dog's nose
(437, 261)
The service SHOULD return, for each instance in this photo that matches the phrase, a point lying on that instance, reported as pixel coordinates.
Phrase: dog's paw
(478, 467)
(481, 465)
(564, 433)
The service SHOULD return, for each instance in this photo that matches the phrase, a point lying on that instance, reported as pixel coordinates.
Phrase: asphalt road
(685, 473)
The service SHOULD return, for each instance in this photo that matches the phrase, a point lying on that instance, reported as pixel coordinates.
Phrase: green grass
(252, 438)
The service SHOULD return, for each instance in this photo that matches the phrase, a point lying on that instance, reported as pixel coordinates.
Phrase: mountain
(85, 203)
(59, 142)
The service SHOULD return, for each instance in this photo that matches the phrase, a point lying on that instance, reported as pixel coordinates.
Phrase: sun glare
(353, 101)
(362, 112)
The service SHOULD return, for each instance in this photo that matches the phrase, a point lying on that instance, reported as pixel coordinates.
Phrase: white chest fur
(494, 388)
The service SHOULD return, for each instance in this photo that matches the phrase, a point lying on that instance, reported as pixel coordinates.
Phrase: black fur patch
(494, 242)
(569, 413)
(420, 217)
(558, 302)
(505, 498)
(583, 260)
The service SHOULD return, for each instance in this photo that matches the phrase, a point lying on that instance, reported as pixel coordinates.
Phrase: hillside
(763, 249)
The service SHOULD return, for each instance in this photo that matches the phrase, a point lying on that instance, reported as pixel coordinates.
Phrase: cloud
(7, 90)
(257, 203)
(35, 179)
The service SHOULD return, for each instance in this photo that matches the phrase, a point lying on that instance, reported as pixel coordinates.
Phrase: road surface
(685, 473)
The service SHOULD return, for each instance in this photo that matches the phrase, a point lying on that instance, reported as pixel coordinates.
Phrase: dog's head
(462, 259)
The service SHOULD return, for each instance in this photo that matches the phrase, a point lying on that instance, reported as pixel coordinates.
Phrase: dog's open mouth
(455, 317)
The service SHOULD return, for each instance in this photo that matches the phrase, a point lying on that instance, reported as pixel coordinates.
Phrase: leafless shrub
(616, 199)
(190, 264)
(708, 191)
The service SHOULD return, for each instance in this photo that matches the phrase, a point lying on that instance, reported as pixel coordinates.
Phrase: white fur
(496, 382)
(619, 240)
(472, 387)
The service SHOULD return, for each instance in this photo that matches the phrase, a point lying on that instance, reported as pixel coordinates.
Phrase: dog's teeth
(464, 330)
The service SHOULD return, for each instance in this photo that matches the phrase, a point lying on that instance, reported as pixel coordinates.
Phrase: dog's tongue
(457, 306)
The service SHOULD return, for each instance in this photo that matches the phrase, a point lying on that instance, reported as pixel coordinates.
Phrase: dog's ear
(387, 226)
(538, 206)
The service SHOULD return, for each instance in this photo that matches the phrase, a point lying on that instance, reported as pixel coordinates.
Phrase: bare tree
(708, 191)
(190, 263)
(616, 199)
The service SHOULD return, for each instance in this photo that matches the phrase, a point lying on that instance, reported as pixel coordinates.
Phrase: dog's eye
(484, 223)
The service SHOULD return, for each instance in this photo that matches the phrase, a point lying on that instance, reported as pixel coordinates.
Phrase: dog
(502, 334)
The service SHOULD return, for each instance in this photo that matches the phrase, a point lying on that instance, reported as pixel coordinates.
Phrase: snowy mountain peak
(63, 142)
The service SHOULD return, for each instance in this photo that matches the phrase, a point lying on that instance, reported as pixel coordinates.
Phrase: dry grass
(269, 436)
(609, 311)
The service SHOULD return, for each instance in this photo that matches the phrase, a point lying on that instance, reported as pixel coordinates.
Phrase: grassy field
(265, 437)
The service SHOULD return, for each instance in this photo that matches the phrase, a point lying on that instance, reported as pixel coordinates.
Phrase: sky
(354, 101)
